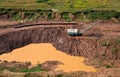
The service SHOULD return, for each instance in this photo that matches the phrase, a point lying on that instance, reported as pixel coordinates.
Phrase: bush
(80, 16)
(99, 15)
(66, 17)
(105, 43)
(118, 41)
(32, 75)
(16, 17)
(96, 14)
(34, 69)
(40, 1)
(102, 15)
(108, 66)
(59, 75)
(114, 51)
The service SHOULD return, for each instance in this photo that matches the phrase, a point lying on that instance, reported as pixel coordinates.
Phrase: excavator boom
(88, 27)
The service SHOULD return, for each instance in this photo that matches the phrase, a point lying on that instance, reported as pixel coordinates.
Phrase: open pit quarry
(88, 45)
(100, 45)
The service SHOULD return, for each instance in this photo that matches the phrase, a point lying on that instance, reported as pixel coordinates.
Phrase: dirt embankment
(99, 42)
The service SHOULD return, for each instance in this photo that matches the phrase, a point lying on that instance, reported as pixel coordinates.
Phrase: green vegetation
(8, 68)
(85, 10)
(16, 17)
(104, 15)
(32, 75)
(34, 69)
(84, 15)
(108, 66)
(115, 51)
(109, 76)
(59, 75)
(66, 17)
(40, 1)
(118, 41)
(62, 5)
(16, 69)
(105, 43)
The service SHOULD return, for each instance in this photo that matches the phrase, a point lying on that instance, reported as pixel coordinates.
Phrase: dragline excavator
(77, 32)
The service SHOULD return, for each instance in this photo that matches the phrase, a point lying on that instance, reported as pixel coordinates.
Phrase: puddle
(39, 53)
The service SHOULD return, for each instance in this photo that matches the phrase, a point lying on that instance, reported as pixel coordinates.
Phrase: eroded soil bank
(88, 45)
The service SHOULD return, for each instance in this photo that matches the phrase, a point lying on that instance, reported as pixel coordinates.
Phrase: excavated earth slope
(98, 42)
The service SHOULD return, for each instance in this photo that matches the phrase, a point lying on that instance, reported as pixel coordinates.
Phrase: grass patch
(34, 69)
(62, 5)
(16, 69)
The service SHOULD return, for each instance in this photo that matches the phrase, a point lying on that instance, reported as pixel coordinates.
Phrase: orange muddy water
(39, 53)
